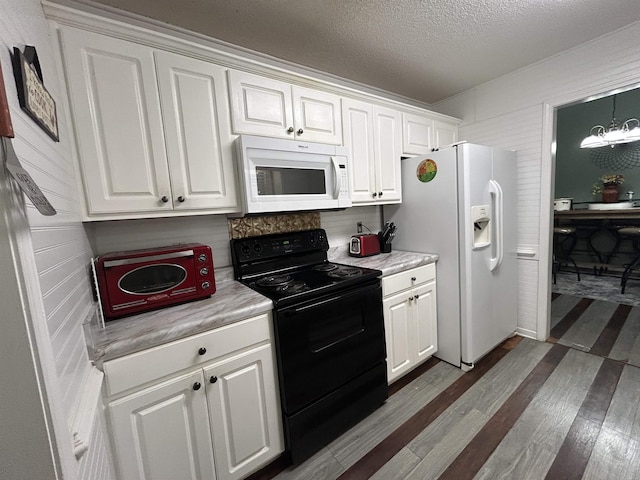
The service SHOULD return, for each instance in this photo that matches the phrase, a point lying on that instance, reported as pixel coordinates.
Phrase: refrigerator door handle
(497, 203)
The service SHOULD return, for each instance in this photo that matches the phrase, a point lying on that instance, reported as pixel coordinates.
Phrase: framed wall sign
(33, 97)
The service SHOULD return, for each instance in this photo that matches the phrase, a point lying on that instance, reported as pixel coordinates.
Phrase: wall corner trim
(84, 418)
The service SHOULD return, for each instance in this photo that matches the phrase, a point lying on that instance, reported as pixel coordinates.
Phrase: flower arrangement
(612, 178)
(607, 179)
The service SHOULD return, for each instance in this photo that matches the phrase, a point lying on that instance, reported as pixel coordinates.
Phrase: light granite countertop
(231, 303)
(388, 263)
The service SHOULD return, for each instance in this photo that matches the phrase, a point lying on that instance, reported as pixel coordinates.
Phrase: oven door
(324, 343)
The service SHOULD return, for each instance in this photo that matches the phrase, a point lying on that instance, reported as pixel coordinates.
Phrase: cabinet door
(387, 133)
(162, 432)
(245, 412)
(260, 106)
(425, 317)
(357, 118)
(445, 134)
(316, 116)
(417, 134)
(195, 111)
(398, 334)
(116, 115)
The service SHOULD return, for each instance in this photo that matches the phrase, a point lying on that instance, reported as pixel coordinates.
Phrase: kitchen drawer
(141, 367)
(407, 279)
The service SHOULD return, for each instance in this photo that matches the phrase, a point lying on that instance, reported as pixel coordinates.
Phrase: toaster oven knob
(202, 258)
(205, 285)
(245, 249)
(257, 247)
(204, 271)
(202, 351)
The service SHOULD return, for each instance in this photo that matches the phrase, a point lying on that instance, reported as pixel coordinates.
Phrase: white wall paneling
(517, 111)
(50, 255)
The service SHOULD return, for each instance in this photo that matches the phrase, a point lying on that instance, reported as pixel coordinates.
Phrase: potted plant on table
(609, 187)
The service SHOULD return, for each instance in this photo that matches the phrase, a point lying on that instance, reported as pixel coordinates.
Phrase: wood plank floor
(602, 328)
(529, 410)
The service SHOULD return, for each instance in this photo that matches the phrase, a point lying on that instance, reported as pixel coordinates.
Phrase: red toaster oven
(139, 280)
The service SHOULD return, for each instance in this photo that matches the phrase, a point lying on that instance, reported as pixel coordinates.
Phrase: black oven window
(152, 279)
(290, 181)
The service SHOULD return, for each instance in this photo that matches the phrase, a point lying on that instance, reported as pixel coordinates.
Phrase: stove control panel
(278, 245)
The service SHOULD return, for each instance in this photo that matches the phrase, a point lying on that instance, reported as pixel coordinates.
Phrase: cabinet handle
(213, 379)
(417, 296)
(411, 299)
(202, 351)
(413, 279)
(375, 194)
(300, 131)
(379, 194)
(197, 385)
(165, 199)
(181, 199)
(290, 130)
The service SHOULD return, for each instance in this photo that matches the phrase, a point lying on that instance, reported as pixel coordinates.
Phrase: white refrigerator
(460, 203)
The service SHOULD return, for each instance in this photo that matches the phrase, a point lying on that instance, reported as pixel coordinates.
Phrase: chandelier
(600, 136)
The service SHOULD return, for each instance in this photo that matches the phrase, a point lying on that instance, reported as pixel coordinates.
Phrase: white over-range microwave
(285, 175)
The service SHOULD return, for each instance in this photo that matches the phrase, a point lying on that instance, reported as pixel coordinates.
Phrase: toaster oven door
(132, 283)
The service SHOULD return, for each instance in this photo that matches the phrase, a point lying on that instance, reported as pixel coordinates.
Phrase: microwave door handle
(337, 178)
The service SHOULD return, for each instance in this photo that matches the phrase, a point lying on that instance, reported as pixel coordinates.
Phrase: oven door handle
(324, 301)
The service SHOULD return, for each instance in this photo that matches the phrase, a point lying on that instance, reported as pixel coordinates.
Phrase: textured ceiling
(427, 50)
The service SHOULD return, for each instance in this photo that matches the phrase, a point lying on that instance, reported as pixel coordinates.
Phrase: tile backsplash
(265, 224)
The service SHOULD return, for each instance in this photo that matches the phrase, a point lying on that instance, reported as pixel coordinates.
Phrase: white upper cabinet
(421, 133)
(417, 134)
(373, 135)
(263, 106)
(445, 133)
(195, 111)
(118, 123)
(152, 129)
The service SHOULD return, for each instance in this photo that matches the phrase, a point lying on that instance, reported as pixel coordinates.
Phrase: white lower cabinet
(410, 317)
(218, 420)
(243, 412)
(162, 432)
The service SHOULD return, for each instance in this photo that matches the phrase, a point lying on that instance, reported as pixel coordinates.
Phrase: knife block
(385, 248)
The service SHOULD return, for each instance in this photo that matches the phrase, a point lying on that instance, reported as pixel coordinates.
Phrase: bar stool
(633, 234)
(564, 239)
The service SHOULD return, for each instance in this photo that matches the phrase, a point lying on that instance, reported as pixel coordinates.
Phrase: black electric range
(328, 333)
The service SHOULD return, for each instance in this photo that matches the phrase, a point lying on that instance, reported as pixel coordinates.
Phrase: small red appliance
(139, 280)
(364, 245)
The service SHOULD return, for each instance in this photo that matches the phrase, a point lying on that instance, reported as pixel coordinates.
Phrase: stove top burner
(325, 267)
(292, 287)
(274, 280)
(345, 272)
